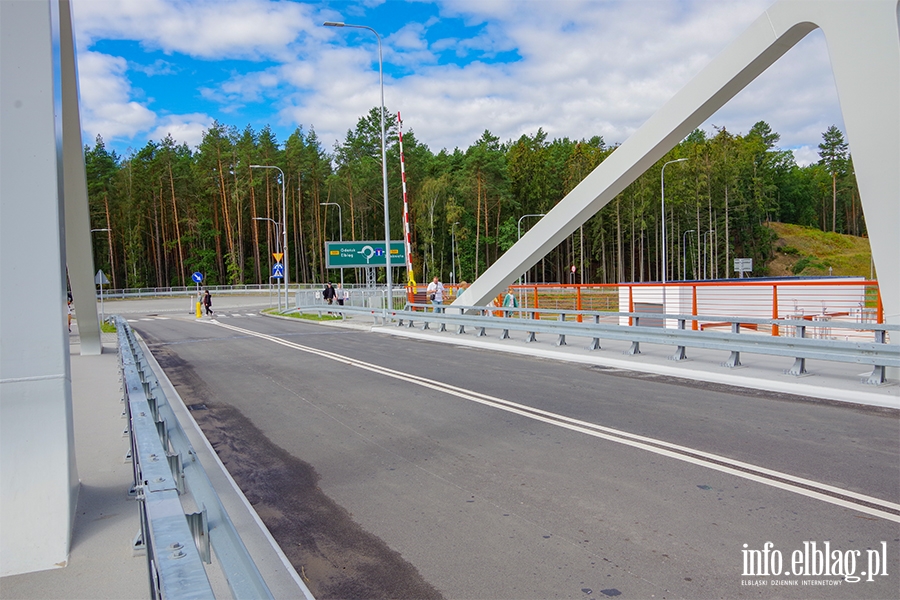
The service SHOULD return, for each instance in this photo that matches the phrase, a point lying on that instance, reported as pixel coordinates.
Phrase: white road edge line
(732, 467)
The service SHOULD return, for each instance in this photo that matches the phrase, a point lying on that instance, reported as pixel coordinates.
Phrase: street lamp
(284, 246)
(277, 239)
(662, 178)
(387, 223)
(340, 229)
(684, 253)
(101, 283)
(519, 236)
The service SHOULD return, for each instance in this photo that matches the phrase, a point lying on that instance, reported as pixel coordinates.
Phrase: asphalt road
(395, 468)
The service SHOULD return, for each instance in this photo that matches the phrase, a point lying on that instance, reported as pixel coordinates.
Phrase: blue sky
(575, 68)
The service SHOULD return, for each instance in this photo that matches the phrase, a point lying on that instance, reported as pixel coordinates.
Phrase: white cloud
(186, 129)
(207, 29)
(108, 111)
(107, 108)
(587, 68)
(806, 155)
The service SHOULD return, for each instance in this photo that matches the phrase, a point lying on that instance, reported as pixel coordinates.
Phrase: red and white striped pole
(410, 276)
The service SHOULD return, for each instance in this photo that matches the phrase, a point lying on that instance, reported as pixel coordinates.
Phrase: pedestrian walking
(328, 293)
(510, 301)
(207, 302)
(435, 291)
(339, 295)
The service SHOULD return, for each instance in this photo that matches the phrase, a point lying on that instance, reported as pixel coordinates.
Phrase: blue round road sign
(197, 277)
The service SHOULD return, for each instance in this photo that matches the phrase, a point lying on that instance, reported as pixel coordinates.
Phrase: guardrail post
(198, 523)
(680, 353)
(504, 335)
(635, 346)
(177, 467)
(578, 302)
(481, 332)
(631, 321)
(694, 325)
(799, 367)
(595, 342)
(877, 377)
(734, 361)
(531, 337)
(461, 329)
(561, 340)
(775, 309)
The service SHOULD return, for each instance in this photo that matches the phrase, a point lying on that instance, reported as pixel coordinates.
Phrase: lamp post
(387, 223)
(340, 229)
(277, 238)
(101, 283)
(662, 179)
(684, 253)
(519, 236)
(284, 246)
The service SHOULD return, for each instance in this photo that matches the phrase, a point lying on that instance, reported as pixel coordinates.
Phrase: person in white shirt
(435, 293)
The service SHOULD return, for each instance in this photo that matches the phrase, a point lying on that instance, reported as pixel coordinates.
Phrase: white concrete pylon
(864, 45)
(38, 475)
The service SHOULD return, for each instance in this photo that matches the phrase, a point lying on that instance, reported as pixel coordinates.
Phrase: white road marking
(798, 485)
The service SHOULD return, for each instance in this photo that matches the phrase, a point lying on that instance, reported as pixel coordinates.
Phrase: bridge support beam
(864, 45)
(38, 475)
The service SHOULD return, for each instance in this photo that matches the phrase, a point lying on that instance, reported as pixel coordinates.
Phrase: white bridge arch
(863, 40)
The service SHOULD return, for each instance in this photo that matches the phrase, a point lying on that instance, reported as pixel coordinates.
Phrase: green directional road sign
(339, 255)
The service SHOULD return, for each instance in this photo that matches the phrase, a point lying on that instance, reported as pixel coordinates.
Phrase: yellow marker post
(199, 310)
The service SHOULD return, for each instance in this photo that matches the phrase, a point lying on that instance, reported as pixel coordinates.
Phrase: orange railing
(820, 300)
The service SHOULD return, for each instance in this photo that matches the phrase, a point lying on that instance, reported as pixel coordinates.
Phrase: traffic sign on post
(197, 277)
(278, 271)
(363, 254)
(743, 265)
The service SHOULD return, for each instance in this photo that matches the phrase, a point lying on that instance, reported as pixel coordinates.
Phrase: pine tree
(833, 156)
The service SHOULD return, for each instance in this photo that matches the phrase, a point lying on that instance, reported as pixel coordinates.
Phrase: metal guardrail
(166, 467)
(875, 353)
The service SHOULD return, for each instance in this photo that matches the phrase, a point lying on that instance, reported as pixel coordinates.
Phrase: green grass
(809, 251)
(305, 316)
(107, 327)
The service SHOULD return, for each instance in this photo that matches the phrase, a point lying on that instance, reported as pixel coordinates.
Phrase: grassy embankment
(810, 252)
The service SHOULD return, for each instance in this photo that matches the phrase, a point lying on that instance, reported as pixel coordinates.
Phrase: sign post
(197, 277)
(101, 280)
(278, 274)
(363, 254)
(743, 265)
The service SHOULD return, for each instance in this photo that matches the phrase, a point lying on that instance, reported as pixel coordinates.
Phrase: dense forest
(169, 210)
